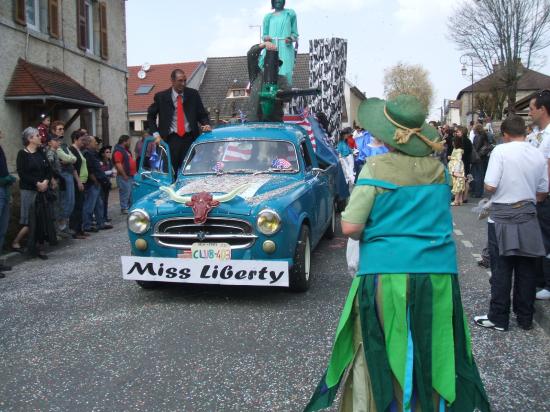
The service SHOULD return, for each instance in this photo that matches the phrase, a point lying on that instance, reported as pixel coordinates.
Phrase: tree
(503, 34)
(408, 79)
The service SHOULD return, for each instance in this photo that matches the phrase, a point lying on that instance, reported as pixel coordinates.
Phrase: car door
(315, 182)
(155, 169)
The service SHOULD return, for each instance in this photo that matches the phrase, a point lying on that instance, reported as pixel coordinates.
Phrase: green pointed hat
(400, 122)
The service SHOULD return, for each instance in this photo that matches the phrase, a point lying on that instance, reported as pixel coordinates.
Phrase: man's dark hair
(542, 99)
(77, 134)
(175, 72)
(123, 138)
(513, 125)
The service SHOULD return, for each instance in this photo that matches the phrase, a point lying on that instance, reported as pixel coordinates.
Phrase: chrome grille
(181, 233)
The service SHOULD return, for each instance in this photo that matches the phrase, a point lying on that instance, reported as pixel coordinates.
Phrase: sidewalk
(118, 220)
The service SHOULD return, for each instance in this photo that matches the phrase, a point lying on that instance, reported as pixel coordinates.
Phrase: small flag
(218, 167)
(281, 164)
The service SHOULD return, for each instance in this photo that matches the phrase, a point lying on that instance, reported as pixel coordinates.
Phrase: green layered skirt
(402, 344)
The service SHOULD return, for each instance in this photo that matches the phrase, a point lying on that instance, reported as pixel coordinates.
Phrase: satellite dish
(141, 74)
(145, 67)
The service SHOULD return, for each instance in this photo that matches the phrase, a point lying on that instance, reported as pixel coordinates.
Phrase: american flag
(218, 167)
(281, 164)
(301, 120)
(237, 152)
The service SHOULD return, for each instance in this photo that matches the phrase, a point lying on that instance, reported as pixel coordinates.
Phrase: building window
(32, 14)
(144, 125)
(89, 13)
(236, 93)
(132, 126)
(144, 89)
(92, 27)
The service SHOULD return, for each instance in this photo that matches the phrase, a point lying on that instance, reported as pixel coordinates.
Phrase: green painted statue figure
(280, 28)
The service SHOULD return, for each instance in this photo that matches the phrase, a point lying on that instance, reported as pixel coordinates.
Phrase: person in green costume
(402, 342)
(280, 28)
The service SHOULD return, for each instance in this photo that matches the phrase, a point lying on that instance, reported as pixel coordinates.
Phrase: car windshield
(242, 156)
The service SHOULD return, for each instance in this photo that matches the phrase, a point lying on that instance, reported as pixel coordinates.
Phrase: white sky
(380, 33)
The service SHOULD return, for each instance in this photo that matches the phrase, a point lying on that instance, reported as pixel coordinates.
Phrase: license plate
(211, 251)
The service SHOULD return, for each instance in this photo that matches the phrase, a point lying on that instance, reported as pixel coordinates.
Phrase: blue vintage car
(266, 201)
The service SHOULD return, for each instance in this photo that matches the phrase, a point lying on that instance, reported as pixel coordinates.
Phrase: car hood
(254, 192)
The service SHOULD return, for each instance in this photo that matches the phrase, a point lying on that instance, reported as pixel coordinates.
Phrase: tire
(300, 273)
(331, 229)
(148, 285)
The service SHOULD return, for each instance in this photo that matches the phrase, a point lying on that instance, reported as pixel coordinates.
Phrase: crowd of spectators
(64, 186)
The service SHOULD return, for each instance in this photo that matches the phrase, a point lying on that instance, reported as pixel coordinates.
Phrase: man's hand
(288, 40)
(54, 184)
(80, 186)
(42, 186)
(206, 128)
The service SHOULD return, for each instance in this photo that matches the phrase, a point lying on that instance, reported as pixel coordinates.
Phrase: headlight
(139, 221)
(268, 222)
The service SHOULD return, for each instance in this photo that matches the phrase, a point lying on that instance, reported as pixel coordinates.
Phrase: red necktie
(181, 116)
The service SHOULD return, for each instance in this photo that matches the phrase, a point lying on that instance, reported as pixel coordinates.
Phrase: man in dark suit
(180, 111)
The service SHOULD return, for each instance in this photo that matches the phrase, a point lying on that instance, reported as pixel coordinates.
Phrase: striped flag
(301, 120)
(237, 152)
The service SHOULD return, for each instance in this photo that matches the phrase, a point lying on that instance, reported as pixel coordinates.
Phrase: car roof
(278, 131)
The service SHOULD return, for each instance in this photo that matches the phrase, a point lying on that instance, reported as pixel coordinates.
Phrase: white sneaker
(543, 294)
(484, 321)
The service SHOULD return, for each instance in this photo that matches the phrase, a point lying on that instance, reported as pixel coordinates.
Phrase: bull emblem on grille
(202, 203)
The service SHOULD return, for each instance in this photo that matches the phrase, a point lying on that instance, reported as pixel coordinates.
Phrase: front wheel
(300, 272)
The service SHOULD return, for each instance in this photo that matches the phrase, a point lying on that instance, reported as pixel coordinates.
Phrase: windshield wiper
(273, 170)
(233, 171)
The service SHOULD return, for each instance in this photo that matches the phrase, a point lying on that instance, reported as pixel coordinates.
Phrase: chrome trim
(246, 228)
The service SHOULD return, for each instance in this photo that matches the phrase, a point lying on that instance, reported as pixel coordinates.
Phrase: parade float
(251, 201)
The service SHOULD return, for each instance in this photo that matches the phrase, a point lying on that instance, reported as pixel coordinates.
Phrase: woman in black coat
(479, 168)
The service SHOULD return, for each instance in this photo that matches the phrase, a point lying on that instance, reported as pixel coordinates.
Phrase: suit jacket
(163, 107)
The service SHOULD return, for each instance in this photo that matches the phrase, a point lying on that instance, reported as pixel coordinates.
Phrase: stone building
(66, 59)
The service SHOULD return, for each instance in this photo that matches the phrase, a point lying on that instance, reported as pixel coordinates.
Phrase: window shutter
(20, 14)
(53, 16)
(104, 47)
(82, 34)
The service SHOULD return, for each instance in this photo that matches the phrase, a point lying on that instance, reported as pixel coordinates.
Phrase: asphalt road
(75, 336)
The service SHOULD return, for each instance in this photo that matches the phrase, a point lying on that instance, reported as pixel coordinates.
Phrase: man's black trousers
(543, 214)
(178, 148)
(503, 269)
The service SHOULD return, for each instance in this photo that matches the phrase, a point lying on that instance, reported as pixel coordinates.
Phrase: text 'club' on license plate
(217, 251)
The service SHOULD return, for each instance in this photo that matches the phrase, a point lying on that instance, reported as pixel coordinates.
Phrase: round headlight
(268, 222)
(139, 221)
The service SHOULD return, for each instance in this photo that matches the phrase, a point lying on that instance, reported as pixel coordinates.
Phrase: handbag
(486, 149)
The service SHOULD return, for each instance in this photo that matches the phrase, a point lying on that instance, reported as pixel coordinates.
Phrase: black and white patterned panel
(327, 70)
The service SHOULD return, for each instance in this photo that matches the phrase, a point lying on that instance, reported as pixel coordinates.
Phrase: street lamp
(464, 71)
